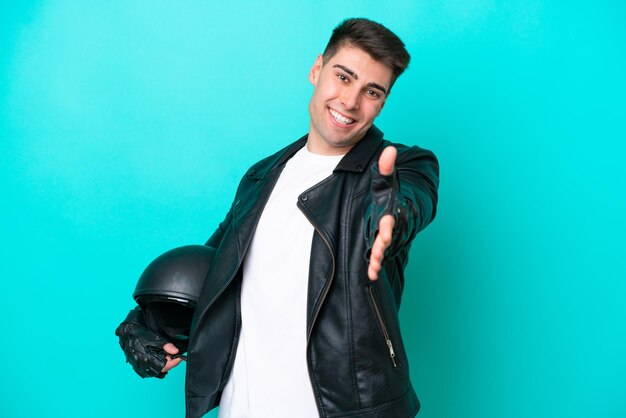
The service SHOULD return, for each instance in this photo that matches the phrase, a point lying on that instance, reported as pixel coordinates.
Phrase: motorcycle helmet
(169, 288)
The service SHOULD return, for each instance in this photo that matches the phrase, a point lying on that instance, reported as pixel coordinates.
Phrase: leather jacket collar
(355, 160)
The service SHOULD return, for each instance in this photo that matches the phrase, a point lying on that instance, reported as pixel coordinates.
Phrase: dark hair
(379, 42)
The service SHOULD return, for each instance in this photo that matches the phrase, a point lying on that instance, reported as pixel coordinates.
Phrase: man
(298, 316)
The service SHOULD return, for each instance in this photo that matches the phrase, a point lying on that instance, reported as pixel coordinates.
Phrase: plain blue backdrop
(125, 126)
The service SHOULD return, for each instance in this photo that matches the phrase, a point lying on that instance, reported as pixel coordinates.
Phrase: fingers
(171, 363)
(382, 241)
(170, 348)
(387, 161)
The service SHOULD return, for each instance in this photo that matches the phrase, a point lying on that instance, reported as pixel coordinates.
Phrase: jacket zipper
(379, 315)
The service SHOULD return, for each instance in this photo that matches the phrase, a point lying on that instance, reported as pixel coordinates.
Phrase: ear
(315, 70)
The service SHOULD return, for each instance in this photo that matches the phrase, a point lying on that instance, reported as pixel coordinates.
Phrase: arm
(216, 238)
(149, 353)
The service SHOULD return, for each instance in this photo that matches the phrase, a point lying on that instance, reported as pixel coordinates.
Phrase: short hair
(379, 42)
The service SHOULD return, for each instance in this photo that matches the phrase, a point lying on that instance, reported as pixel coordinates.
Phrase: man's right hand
(145, 350)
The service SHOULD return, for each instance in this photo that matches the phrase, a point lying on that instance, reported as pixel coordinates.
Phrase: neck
(314, 149)
(317, 145)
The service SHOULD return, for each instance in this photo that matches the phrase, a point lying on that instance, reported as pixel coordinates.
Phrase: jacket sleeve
(409, 194)
(216, 238)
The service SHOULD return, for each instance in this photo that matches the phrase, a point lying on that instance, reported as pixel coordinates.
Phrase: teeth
(341, 119)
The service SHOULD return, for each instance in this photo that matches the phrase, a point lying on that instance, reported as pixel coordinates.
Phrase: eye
(342, 77)
(373, 94)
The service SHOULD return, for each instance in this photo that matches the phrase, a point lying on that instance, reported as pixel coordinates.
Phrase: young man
(298, 316)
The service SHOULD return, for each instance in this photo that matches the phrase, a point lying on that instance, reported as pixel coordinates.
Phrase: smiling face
(350, 90)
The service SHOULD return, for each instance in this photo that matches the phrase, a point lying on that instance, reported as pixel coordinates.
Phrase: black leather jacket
(356, 359)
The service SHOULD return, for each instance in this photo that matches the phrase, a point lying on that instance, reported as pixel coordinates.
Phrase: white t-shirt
(270, 376)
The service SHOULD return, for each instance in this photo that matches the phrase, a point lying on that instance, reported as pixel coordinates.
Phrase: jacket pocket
(383, 328)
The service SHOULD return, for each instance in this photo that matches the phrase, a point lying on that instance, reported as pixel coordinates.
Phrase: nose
(350, 98)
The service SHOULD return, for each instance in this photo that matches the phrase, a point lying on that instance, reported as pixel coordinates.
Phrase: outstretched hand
(386, 165)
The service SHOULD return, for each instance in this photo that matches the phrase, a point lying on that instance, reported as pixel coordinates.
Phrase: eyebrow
(356, 77)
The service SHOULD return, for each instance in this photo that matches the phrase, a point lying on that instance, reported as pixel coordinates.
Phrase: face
(349, 92)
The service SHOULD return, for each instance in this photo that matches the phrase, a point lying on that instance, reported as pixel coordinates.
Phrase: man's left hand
(386, 164)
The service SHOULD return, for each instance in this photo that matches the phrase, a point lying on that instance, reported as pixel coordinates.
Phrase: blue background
(125, 126)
